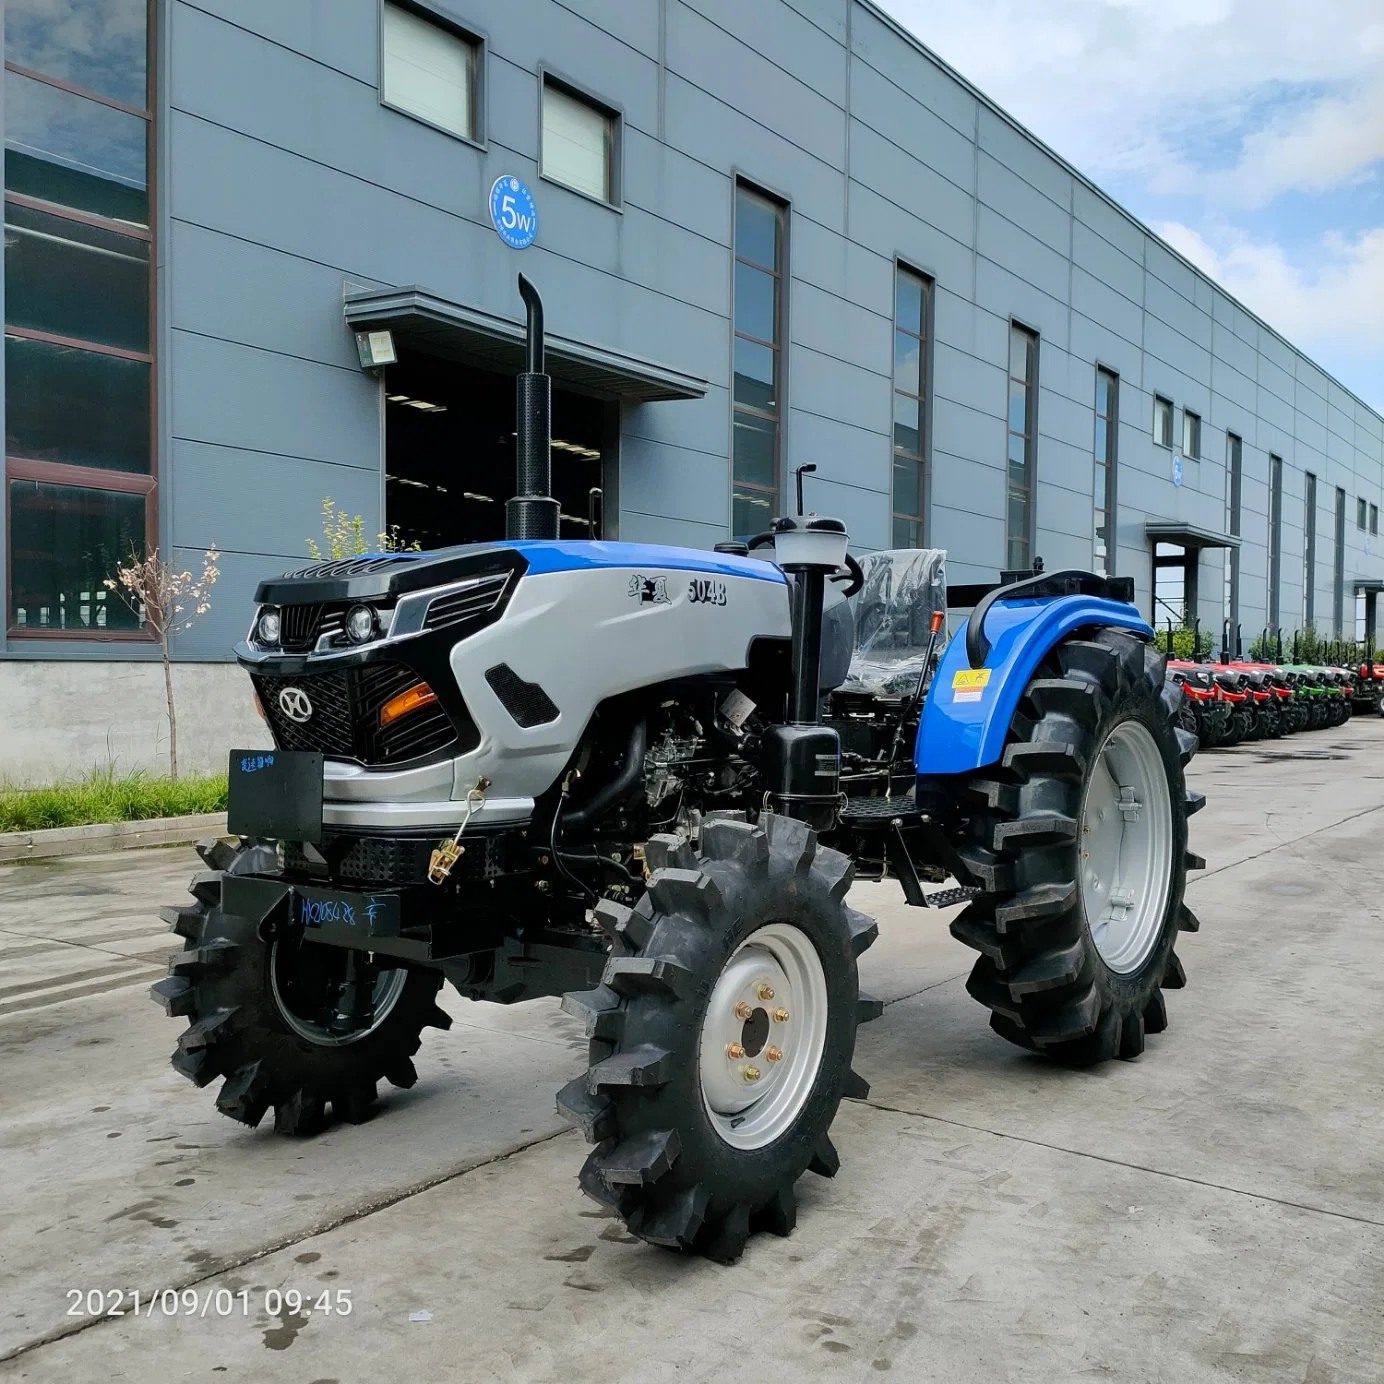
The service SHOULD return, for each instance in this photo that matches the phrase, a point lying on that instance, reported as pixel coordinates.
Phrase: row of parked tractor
(1228, 702)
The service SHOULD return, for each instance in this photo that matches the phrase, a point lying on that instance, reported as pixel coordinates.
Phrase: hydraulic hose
(579, 818)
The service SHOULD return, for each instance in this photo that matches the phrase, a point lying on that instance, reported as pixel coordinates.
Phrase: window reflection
(74, 152)
(97, 44)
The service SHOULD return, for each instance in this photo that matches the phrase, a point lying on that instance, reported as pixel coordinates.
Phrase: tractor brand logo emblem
(649, 590)
(295, 704)
(969, 684)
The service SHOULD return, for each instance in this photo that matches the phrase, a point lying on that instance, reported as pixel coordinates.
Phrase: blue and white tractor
(644, 778)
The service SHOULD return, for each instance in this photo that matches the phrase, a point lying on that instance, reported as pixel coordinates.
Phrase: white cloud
(1133, 87)
(1332, 308)
(1232, 103)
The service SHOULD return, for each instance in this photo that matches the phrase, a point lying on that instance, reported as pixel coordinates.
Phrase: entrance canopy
(1188, 536)
(425, 322)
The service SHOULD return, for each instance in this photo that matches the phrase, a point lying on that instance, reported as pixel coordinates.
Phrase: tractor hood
(386, 576)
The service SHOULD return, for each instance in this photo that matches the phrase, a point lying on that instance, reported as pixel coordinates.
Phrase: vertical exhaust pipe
(533, 513)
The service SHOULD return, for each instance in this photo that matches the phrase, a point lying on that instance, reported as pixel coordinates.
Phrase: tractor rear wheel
(721, 1035)
(267, 1015)
(1079, 835)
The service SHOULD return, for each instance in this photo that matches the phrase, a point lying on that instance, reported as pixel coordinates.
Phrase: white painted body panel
(583, 636)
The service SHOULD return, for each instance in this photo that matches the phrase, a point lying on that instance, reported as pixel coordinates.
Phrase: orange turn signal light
(259, 707)
(410, 699)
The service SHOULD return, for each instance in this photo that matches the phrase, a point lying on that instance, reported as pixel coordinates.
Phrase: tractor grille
(397, 860)
(527, 702)
(477, 599)
(345, 719)
(304, 625)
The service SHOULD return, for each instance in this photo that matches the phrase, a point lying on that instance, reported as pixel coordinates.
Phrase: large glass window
(1275, 536)
(1309, 552)
(1162, 421)
(1234, 464)
(64, 541)
(1023, 379)
(428, 70)
(911, 293)
(79, 398)
(757, 394)
(1191, 435)
(1107, 427)
(578, 143)
(1338, 580)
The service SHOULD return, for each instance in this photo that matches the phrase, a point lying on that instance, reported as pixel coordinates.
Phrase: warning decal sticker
(969, 684)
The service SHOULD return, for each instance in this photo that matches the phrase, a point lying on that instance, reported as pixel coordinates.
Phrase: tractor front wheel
(721, 1035)
(289, 1023)
(1079, 835)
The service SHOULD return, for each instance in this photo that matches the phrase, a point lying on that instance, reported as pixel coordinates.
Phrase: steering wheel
(853, 575)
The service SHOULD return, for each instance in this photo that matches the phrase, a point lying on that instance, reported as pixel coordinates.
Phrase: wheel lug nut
(734, 1052)
(751, 1074)
(743, 1011)
(780, 1016)
(766, 993)
(773, 1054)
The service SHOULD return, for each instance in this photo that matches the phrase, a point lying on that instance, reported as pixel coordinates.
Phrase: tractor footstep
(946, 898)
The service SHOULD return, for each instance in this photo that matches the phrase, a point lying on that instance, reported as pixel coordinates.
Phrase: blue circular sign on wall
(513, 212)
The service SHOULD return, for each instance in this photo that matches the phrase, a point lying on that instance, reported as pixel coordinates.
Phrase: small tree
(344, 536)
(166, 601)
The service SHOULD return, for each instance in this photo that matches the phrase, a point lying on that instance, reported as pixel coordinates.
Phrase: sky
(1249, 134)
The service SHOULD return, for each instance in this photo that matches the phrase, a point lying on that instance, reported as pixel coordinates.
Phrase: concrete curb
(18, 846)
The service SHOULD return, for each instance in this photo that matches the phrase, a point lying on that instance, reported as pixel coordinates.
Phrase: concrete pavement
(1214, 1210)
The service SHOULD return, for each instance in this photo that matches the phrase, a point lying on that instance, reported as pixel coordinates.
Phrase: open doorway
(449, 452)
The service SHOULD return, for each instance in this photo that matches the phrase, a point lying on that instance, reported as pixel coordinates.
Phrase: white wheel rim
(389, 985)
(771, 998)
(1126, 847)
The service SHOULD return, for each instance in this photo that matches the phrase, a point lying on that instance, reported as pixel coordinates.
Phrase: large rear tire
(1080, 836)
(261, 1017)
(721, 1035)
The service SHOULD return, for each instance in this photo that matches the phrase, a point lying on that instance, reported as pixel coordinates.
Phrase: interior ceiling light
(468, 495)
(397, 398)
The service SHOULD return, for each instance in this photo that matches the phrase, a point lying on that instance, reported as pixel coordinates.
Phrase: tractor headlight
(360, 624)
(269, 626)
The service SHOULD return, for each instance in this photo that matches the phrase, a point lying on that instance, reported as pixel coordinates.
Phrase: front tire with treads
(721, 1035)
(1083, 901)
(250, 1005)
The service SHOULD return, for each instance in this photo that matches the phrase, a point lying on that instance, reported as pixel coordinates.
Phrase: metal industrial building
(771, 232)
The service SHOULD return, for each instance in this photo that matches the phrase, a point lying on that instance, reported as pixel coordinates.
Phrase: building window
(1338, 583)
(429, 70)
(1360, 513)
(1275, 536)
(578, 143)
(80, 465)
(1191, 435)
(1023, 381)
(1234, 461)
(1374, 519)
(1309, 551)
(1162, 421)
(1107, 427)
(911, 301)
(757, 395)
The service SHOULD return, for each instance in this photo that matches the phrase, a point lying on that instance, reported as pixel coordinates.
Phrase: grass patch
(104, 797)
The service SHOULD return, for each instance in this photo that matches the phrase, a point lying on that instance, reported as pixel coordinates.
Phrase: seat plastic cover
(893, 615)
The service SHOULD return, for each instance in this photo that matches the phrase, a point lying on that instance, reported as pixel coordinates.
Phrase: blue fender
(968, 711)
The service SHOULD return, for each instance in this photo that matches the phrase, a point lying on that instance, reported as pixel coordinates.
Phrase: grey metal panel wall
(286, 178)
